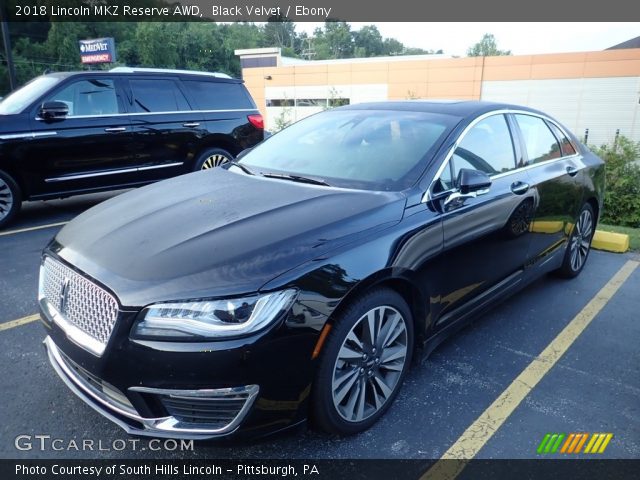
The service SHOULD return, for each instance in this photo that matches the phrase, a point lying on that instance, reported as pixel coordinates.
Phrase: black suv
(69, 133)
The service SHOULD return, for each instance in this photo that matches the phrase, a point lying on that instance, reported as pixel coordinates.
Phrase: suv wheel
(212, 158)
(363, 363)
(10, 198)
(579, 246)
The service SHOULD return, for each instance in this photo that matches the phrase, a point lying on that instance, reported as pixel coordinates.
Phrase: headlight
(204, 319)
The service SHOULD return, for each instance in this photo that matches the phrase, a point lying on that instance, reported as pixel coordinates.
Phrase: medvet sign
(98, 50)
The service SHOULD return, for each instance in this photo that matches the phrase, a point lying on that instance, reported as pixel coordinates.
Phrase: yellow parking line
(30, 229)
(18, 322)
(454, 460)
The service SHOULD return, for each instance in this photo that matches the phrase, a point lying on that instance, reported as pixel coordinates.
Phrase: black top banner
(319, 10)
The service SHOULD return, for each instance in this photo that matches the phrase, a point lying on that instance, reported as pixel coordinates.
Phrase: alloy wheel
(369, 363)
(581, 240)
(214, 160)
(6, 199)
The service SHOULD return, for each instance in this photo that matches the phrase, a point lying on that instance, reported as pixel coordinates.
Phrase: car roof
(132, 71)
(458, 108)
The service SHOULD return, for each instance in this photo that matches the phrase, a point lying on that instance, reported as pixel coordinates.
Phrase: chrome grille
(80, 302)
(211, 411)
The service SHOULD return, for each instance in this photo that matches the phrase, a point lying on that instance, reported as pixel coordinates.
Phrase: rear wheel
(364, 362)
(579, 246)
(10, 198)
(212, 158)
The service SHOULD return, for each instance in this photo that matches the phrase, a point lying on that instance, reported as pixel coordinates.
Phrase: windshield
(366, 149)
(24, 96)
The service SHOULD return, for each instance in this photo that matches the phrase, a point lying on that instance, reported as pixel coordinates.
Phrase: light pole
(6, 40)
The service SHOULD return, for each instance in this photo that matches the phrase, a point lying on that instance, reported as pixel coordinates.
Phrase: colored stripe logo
(573, 443)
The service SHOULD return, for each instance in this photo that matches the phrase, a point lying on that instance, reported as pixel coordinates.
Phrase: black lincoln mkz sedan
(298, 281)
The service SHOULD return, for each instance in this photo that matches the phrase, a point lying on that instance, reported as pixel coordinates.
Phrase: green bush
(622, 193)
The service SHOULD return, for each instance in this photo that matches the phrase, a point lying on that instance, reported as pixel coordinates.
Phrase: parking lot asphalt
(593, 387)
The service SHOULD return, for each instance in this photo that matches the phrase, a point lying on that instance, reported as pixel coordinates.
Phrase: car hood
(216, 233)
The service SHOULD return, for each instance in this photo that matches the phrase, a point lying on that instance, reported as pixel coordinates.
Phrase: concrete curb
(610, 242)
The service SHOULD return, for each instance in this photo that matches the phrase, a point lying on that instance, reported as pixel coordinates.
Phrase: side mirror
(472, 181)
(53, 110)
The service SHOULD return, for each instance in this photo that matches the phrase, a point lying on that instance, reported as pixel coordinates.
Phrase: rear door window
(565, 145)
(218, 95)
(540, 142)
(157, 95)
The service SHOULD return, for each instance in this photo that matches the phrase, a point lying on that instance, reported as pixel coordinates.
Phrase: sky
(522, 38)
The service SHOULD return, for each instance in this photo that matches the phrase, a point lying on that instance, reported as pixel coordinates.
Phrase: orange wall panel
(450, 89)
(451, 74)
(311, 79)
(369, 76)
(339, 78)
(628, 68)
(507, 72)
(540, 71)
(365, 67)
(415, 75)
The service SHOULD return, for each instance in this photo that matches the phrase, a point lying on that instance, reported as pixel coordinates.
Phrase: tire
(579, 245)
(211, 158)
(349, 363)
(10, 199)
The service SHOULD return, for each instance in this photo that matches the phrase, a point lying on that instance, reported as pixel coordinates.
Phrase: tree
(487, 47)
(368, 41)
(391, 46)
(279, 31)
(339, 38)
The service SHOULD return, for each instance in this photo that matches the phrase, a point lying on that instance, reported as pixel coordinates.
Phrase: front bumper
(249, 387)
(210, 404)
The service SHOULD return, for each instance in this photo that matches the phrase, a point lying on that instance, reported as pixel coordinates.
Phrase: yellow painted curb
(610, 242)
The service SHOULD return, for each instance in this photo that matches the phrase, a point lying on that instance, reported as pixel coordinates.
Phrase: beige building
(598, 91)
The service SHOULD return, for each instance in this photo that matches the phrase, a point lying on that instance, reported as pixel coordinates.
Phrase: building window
(338, 102)
(280, 102)
(311, 102)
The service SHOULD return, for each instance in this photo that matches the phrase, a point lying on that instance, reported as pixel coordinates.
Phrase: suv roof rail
(167, 70)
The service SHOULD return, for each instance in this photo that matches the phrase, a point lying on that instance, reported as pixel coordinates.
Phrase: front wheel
(579, 246)
(364, 362)
(212, 158)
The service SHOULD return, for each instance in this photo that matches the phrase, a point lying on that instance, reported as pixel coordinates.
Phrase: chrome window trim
(171, 71)
(13, 136)
(129, 114)
(111, 172)
(427, 195)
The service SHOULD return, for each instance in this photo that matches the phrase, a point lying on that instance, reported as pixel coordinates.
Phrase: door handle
(115, 129)
(519, 188)
(572, 171)
(191, 124)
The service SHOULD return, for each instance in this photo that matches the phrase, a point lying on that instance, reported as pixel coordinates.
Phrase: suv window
(540, 142)
(89, 97)
(218, 95)
(565, 145)
(156, 95)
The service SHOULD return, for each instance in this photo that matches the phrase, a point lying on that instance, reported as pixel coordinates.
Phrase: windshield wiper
(296, 178)
(242, 167)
